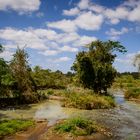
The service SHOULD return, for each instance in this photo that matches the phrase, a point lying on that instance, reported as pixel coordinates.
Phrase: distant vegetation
(45, 78)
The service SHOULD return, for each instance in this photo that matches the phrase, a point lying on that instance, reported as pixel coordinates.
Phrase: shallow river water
(123, 121)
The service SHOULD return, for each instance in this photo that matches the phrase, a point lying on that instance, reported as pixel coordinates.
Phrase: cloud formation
(45, 41)
(22, 6)
(114, 34)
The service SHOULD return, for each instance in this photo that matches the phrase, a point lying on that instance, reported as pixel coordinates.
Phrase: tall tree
(94, 67)
(21, 72)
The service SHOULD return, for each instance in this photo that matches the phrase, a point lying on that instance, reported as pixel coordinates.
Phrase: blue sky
(53, 31)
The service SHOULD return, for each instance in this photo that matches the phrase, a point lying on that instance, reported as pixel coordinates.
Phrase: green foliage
(45, 78)
(12, 126)
(88, 100)
(94, 67)
(77, 126)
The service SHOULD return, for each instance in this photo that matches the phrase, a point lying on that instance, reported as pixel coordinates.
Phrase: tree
(21, 73)
(94, 67)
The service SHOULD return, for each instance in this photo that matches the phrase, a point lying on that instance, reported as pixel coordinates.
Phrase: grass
(8, 127)
(77, 126)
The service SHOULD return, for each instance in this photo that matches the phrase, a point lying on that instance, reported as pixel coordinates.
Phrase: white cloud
(40, 14)
(114, 20)
(22, 38)
(131, 3)
(6, 54)
(45, 33)
(89, 21)
(62, 59)
(47, 42)
(83, 4)
(114, 34)
(86, 21)
(84, 40)
(68, 49)
(117, 14)
(64, 25)
(66, 38)
(71, 12)
(96, 8)
(49, 52)
(134, 15)
(21, 6)
(129, 10)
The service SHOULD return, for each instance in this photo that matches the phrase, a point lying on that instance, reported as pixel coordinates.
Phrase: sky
(54, 31)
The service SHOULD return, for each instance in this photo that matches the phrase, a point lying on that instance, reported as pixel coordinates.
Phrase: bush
(77, 126)
(12, 126)
(89, 101)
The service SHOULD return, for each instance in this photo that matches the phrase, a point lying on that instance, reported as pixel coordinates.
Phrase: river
(123, 121)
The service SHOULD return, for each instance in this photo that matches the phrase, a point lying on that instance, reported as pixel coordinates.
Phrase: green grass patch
(77, 126)
(8, 127)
